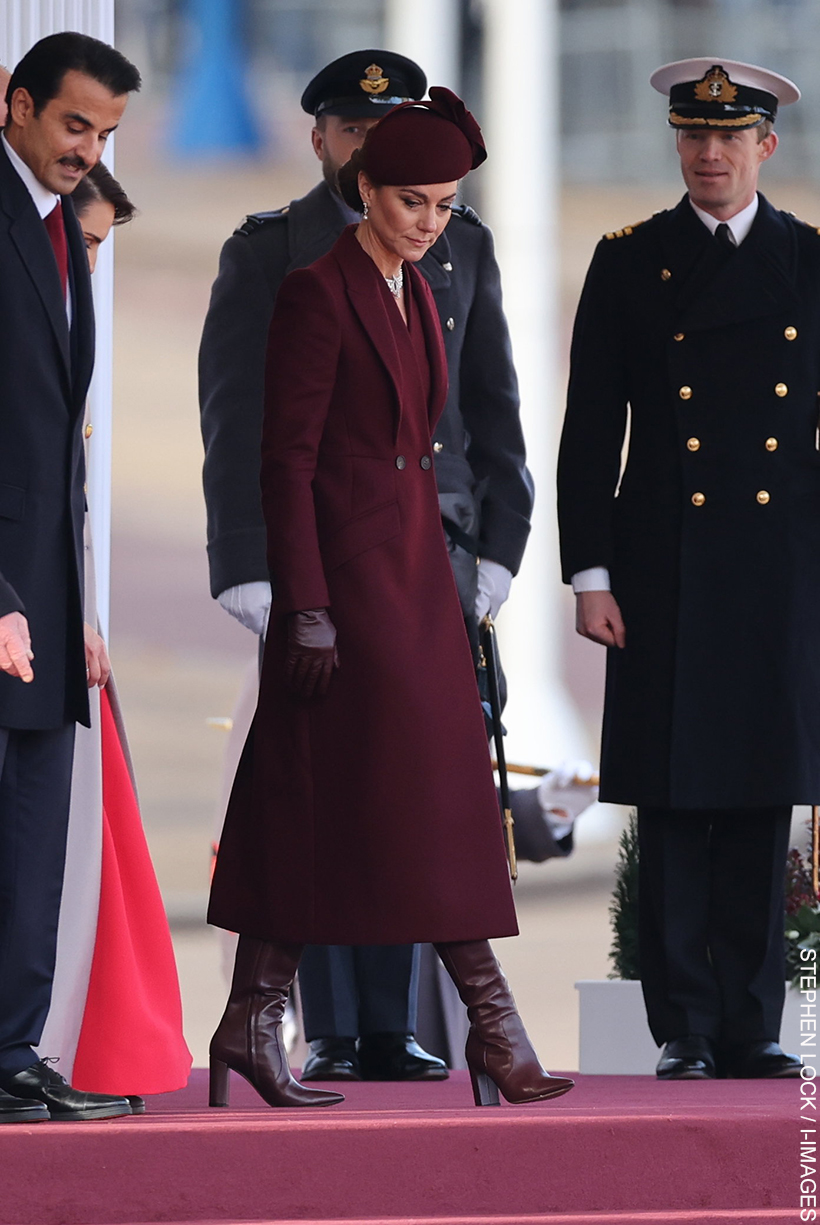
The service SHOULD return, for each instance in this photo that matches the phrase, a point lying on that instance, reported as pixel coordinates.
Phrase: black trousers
(348, 991)
(35, 789)
(711, 904)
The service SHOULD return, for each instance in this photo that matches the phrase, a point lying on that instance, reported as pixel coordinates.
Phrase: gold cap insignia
(715, 87)
(374, 82)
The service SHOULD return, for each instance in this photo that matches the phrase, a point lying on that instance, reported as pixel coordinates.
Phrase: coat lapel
(434, 343)
(364, 292)
(436, 265)
(756, 280)
(29, 236)
(82, 307)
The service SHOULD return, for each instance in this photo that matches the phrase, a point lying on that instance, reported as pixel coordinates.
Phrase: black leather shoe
(758, 1061)
(690, 1058)
(40, 1083)
(332, 1059)
(398, 1057)
(17, 1110)
(137, 1104)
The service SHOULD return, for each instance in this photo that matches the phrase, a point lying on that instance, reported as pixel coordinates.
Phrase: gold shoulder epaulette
(626, 231)
(808, 224)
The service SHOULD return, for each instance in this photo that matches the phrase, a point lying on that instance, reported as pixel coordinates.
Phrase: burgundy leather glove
(311, 654)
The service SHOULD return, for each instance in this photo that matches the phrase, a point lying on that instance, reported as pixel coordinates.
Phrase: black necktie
(725, 237)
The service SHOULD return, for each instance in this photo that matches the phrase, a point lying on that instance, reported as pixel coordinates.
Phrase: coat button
(781, 390)
(693, 444)
(679, 336)
(771, 444)
(698, 499)
(438, 446)
(790, 333)
(666, 275)
(685, 393)
(450, 324)
(401, 462)
(89, 430)
(763, 497)
(426, 462)
(448, 267)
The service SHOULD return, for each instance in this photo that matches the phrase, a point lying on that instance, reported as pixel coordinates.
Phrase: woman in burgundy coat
(348, 823)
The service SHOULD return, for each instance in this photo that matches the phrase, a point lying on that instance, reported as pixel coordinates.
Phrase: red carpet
(616, 1150)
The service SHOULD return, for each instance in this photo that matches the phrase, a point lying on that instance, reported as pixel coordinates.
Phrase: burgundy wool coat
(368, 816)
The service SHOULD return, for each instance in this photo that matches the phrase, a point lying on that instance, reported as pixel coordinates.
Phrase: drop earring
(365, 212)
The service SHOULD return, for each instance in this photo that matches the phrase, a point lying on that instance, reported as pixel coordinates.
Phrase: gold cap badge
(374, 82)
(715, 87)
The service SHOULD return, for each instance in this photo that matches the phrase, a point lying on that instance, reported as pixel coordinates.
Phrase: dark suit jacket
(45, 371)
(483, 482)
(712, 539)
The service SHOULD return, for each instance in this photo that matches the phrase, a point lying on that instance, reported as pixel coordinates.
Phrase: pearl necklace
(396, 283)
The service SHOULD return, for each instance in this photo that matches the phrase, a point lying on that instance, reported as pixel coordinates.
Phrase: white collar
(44, 200)
(740, 224)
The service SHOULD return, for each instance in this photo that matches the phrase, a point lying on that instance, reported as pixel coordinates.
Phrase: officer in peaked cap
(484, 487)
(698, 567)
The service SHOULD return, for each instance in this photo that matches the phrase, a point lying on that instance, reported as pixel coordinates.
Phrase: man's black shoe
(40, 1083)
(398, 1057)
(690, 1058)
(137, 1104)
(758, 1061)
(332, 1059)
(17, 1110)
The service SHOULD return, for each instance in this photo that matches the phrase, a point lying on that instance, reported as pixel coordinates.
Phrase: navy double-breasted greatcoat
(712, 534)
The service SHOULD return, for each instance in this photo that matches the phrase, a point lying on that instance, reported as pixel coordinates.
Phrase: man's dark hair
(42, 68)
(100, 184)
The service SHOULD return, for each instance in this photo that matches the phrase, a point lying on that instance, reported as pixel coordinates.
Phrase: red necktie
(55, 228)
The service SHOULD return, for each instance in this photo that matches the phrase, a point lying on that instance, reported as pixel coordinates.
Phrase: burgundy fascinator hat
(435, 141)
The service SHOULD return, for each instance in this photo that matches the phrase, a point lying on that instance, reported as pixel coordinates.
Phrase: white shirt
(597, 577)
(44, 200)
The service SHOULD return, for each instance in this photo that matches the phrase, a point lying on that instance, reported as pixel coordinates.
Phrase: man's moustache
(76, 162)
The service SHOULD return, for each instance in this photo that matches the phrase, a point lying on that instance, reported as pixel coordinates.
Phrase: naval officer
(697, 564)
(485, 491)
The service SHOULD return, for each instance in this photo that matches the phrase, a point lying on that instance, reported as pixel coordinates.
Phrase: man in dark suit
(64, 99)
(484, 488)
(705, 322)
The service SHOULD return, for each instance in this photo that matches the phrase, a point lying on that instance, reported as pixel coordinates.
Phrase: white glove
(250, 604)
(493, 588)
(564, 793)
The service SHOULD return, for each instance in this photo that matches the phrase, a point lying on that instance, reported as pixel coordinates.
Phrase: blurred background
(581, 147)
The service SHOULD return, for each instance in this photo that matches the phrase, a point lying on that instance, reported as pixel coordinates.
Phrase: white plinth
(614, 1035)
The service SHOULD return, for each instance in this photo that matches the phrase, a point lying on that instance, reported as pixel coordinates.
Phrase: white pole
(427, 31)
(520, 192)
(22, 23)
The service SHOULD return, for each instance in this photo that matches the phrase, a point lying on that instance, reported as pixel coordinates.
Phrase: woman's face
(408, 220)
(96, 221)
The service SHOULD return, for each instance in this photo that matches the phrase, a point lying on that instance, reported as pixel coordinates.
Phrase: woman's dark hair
(100, 184)
(42, 68)
(348, 179)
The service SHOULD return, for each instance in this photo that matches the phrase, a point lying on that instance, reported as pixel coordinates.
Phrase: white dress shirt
(597, 577)
(44, 200)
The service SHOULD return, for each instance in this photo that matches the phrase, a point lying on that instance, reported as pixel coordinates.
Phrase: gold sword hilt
(510, 836)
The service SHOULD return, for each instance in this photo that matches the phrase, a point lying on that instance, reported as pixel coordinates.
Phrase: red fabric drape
(131, 1038)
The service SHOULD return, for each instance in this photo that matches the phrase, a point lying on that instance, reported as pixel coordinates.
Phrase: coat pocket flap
(362, 533)
(12, 502)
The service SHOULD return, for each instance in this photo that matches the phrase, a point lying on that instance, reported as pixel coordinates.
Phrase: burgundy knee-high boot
(499, 1054)
(248, 1039)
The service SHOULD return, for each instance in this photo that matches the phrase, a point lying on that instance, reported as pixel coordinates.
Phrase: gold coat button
(763, 497)
(666, 275)
(781, 390)
(693, 444)
(790, 333)
(698, 499)
(451, 323)
(771, 444)
(89, 430)
(679, 336)
(438, 446)
(685, 393)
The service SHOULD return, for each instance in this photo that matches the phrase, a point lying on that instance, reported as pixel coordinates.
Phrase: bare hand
(97, 663)
(597, 616)
(15, 647)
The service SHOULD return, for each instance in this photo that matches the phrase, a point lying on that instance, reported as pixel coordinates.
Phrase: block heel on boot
(219, 1083)
(485, 1091)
